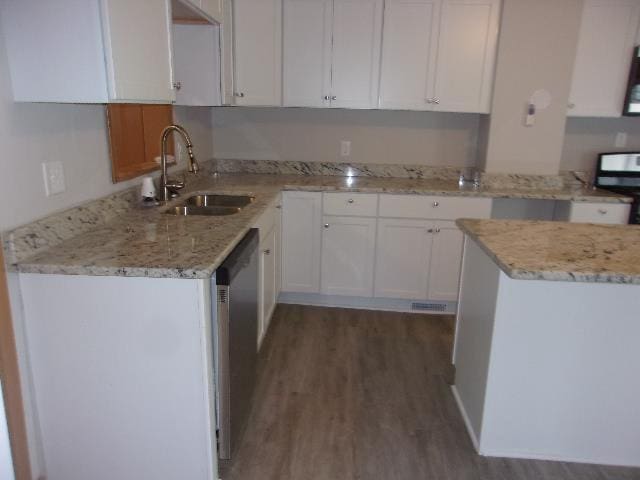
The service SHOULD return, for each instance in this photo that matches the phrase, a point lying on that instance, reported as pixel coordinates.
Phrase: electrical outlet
(345, 148)
(621, 140)
(53, 173)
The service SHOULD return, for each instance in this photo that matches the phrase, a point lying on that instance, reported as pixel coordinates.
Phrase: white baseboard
(465, 417)
(367, 303)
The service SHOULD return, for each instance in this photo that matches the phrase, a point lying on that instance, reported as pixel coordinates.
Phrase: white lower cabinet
(585, 212)
(446, 260)
(403, 257)
(268, 282)
(348, 252)
(269, 225)
(301, 237)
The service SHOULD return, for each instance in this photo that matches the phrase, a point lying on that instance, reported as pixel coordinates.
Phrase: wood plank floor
(354, 394)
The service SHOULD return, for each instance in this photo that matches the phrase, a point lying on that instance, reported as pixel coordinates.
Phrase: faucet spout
(193, 167)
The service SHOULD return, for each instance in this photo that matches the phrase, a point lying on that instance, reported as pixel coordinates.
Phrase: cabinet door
(268, 296)
(257, 35)
(196, 50)
(301, 236)
(446, 258)
(307, 52)
(466, 55)
(226, 55)
(403, 252)
(603, 59)
(348, 250)
(408, 53)
(213, 8)
(357, 32)
(137, 41)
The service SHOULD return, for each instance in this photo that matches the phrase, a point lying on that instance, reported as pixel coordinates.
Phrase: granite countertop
(149, 243)
(558, 251)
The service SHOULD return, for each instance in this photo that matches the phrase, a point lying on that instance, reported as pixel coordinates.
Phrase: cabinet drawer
(360, 204)
(599, 213)
(445, 208)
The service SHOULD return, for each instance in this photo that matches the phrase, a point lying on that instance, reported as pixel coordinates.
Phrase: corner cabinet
(95, 51)
(439, 54)
(605, 49)
(257, 52)
(332, 53)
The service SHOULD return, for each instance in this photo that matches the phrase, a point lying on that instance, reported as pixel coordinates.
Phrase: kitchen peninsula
(546, 348)
(120, 314)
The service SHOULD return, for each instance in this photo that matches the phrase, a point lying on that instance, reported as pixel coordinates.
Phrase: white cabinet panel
(89, 51)
(348, 249)
(307, 52)
(466, 55)
(301, 238)
(446, 259)
(409, 49)
(226, 54)
(257, 53)
(437, 208)
(403, 253)
(603, 59)
(196, 57)
(357, 32)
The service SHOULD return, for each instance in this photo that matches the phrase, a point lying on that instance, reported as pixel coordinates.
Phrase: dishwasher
(236, 340)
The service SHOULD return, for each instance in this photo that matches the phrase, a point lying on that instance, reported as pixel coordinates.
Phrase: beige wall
(586, 137)
(376, 136)
(536, 50)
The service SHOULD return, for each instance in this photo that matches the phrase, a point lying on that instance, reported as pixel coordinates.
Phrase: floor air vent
(432, 307)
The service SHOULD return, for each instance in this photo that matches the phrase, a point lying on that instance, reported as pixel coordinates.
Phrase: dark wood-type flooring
(353, 394)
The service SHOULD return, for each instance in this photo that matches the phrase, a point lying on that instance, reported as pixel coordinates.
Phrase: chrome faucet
(169, 187)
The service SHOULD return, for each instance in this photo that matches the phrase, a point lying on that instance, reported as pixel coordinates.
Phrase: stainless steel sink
(214, 200)
(216, 211)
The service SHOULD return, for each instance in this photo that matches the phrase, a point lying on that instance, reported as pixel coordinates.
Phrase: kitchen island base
(548, 369)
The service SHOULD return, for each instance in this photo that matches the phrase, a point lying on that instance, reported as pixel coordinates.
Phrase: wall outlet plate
(54, 182)
(345, 148)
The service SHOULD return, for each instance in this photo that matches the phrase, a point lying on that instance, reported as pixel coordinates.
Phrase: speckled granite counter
(557, 251)
(112, 237)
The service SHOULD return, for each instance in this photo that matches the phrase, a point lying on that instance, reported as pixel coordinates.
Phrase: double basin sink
(211, 205)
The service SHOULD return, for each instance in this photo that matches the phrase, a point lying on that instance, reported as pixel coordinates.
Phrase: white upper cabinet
(466, 55)
(257, 32)
(439, 54)
(196, 63)
(82, 51)
(357, 33)
(307, 52)
(409, 53)
(605, 49)
(332, 53)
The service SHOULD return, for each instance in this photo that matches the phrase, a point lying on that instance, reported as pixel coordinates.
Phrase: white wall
(585, 138)
(536, 51)
(314, 135)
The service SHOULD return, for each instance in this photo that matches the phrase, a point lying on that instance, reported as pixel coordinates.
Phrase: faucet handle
(174, 184)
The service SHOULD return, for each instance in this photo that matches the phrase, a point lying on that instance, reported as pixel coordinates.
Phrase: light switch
(53, 173)
(621, 140)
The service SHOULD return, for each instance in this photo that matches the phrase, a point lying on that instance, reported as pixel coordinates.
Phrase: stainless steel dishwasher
(236, 339)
